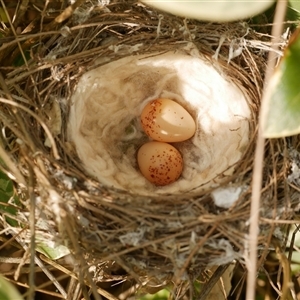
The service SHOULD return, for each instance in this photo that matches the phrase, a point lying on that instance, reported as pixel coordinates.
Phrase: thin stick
(46, 129)
(14, 232)
(14, 32)
(31, 290)
(194, 251)
(286, 284)
(259, 157)
(15, 172)
(212, 282)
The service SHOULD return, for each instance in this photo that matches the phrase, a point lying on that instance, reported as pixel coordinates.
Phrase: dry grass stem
(118, 241)
(257, 179)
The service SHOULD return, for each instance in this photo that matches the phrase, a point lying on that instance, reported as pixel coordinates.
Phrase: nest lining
(109, 100)
(149, 237)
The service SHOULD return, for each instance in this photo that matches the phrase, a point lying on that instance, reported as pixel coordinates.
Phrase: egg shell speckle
(165, 120)
(160, 163)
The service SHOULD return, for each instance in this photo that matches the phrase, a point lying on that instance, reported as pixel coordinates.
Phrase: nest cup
(152, 238)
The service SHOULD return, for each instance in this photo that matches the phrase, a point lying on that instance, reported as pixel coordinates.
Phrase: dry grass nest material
(153, 240)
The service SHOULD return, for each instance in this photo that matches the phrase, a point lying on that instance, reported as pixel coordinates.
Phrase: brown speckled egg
(160, 163)
(165, 120)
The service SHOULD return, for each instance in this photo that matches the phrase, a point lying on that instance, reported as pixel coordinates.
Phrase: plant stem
(259, 158)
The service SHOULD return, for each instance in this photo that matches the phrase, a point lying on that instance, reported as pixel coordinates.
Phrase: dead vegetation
(122, 243)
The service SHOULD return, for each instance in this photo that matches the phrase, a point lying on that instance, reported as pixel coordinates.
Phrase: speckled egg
(160, 163)
(165, 120)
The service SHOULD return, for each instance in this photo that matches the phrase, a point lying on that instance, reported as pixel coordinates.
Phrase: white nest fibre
(105, 127)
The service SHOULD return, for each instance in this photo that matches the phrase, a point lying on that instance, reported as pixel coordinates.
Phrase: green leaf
(295, 4)
(8, 291)
(281, 106)
(161, 295)
(3, 16)
(212, 10)
(19, 61)
(53, 252)
(6, 184)
(7, 196)
(258, 22)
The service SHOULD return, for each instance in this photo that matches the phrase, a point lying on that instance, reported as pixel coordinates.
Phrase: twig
(46, 129)
(212, 282)
(15, 173)
(194, 251)
(286, 284)
(79, 256)
(47, 292)
(31, 290)
(20, 13)
(258, 159)
(14, 31)
(66, 14)
(14, 232)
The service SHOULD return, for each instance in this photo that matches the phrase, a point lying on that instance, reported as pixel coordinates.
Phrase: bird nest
(114, 234)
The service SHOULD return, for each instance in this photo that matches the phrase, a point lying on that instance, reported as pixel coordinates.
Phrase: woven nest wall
(154, 239)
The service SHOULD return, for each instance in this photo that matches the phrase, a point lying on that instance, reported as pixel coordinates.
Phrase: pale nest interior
(105, 128)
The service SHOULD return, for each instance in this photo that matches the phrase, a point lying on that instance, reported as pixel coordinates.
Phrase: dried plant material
(148, 240)
(222, 288)
(294, 175)
(54, 121)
